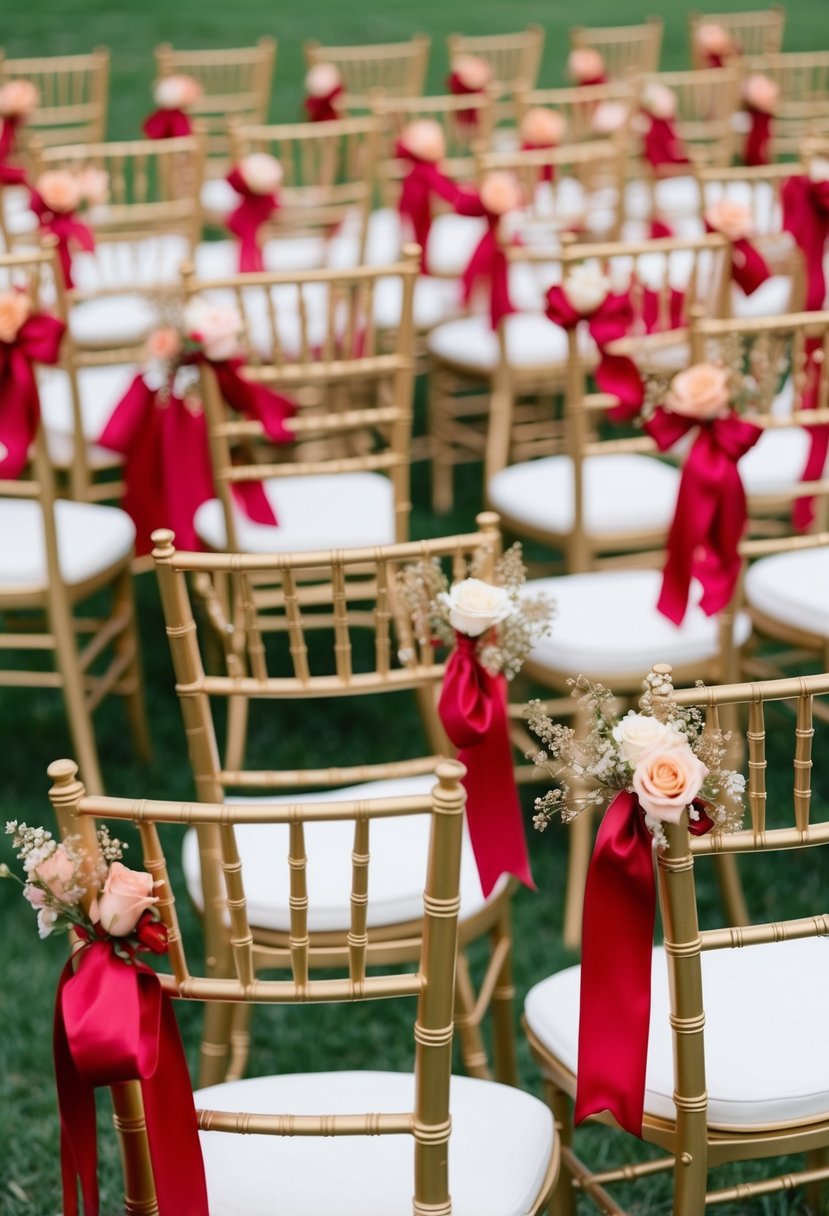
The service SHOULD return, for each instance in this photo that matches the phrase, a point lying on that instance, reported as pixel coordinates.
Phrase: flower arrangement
(424, 139)
(15, 308)
(714, 43)
(18, 98)
(57, 876)
(658, 100)
(64, 191)
(176, 92)
(261, 172)
(761, 93)
(663, 754)
(322, 80)
(471, 72)
(585, 65)
(542, 127)
(215, 329)
(506, 622)
(501, 193)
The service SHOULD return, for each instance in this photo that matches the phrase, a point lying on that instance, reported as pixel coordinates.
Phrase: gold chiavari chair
(590, 112)
(626, 49)
(311, 629)
(514, 59)
(736, 1069)
(312, 336)
(149, 224)
(74, 91)
(421, 1146)
(54, 556)
(802, 109)
(753, 32)
(394, 69)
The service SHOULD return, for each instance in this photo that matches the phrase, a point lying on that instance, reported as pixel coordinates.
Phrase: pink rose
(163, 344)
(15, 307)
(424, 138)
(262, 172)
(94, 185)
(713, 39)
(733, 219)
(659, 100)
(761, 93)
(177, 92)
(60, 190)
(217, 328)
(18, 98)
(126, 894)
(700, 392)
(322, 79)
(57, 873)
(500, 193)
(542, 127)
(473, 72)
(609, 117)
(667, 780)
(584, 63)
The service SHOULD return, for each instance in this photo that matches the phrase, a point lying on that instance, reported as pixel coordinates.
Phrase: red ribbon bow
(472, 709)
(488, 261)
(38, 341)
(247, 218)
(662, 143)
(167, 124)
(803, 511)
(455, 85)
(68, 231)
(422, 180)
(10, 175)
(617, 948)
(749, 268)
(806, 217)
(324, 108)
(710, 510)
(758, 139)
(546, 173)
(114, 1023)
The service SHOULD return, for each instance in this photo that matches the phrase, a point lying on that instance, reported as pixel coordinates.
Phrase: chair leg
(131, 1129)
(439, 406)
(74, 694)
(239, 1042)
(817, 1159)
(473, 1052)
(133, 681)
(214, 1056)
(562, 1200)
(503, 1016)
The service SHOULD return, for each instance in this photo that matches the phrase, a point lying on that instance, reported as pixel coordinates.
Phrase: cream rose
(584, 63)
(608, 117)
(586, 287)
(262, 172)
(125, 896)
(700, 392)
(217, 328)
(424, 138)
(733, 219)
(177, 92)
(475, 606)
(542, 127)
(638, 733)
(322, 79)
(500, 193)
(761, 93)
(666, 780)
(15, 307)
(659, 100)
(60, 190)
(18, 98)
(713, 39)
(473, 72)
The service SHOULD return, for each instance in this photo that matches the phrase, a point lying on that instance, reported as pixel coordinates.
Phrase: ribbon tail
(78, 1132)
(803, 511)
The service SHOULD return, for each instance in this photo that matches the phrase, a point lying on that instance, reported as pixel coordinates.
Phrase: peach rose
(700, 392)
(584, 63)
(761, 93)
(424, 138)
(60, 190)
(18, 98)
(500, 193)
(125, 896)
(733, 219)
(713, 39)
(473, 72)
(659, 100)
(15, 307)
(542, 127)
(216, 327)
(94, 185)
(177, 92)
(608, 117)
(57, 873)
(163, 344)
(322, 79)
(666, 780)
(262, 172)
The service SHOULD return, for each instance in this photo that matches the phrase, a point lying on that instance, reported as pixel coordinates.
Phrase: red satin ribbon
(422, 180)
(325, 108)
(710, 510)
(591, 80)
(758, 140)
(488, 261)
(662, 143)
(749, 268)
(546, 173)
(167, 124)
(38, 341)
(803, 511)
(472, 709)
(244, 221)
(616, 375)
(455, 85)
(658, 229)
(806, 217)
(68, 231)
(10, 175)
(114, 1023)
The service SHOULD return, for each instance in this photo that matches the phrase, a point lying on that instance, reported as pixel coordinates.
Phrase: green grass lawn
(32, 728)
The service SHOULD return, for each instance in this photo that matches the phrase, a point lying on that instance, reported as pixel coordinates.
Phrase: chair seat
(91, 540)
(399, 849)
(435, 301)
(776, 461)
(217, 196)
(771, 299)
(329, 511)
(125, 264)
(500, 1148)
(606, 624)
(757, 1071)
(111, 320)
(539, 493)
(452, 241)
(532, 342)
(793, 589)
(672, 196)
(220, 259)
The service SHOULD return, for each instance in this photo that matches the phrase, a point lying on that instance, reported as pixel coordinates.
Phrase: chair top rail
(352, 274)
(759, 690)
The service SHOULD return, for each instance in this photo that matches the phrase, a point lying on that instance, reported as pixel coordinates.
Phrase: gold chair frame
(627, 50)
(73, 96)
(390, 69)
(578, 103)
(755, 31)
(802, 110)
(514, 59)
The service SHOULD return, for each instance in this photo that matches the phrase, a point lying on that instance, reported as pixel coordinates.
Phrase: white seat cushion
(532, 341)
(539, 493)
(771, 298)
(792, 588)
(758, 1072)
(452, 241)
(220, 259)
(776, 462)
(329, 511)
(99, 390)
(218, 196)
(673, 196)
(399, 849)
(112, 319)
(91, 539)
(435, 300)
(500, 1148)
(126, 264)
(606, 623)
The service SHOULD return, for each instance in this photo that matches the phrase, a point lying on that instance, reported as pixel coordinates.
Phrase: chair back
(73, 91)
(802, 108)
(705, 102)
(431, 981)
(394, 69)
(590, 112)
(754, 32)
(626, 49)
(514, 59)
(236, 85)
(312, 335)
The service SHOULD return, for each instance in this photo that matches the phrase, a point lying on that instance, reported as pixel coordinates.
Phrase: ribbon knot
(38, 341)
(663, 144)
(68, 230)
(10, 175)
(167, 124)
(247, 218)
(423, 179)
(488, 263)
(326, 107)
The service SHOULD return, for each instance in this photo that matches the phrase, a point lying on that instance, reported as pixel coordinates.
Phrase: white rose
(475, 606)
(659, 100)
(586, 287)
(636, 734)
(262, 172)
(217, 327)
